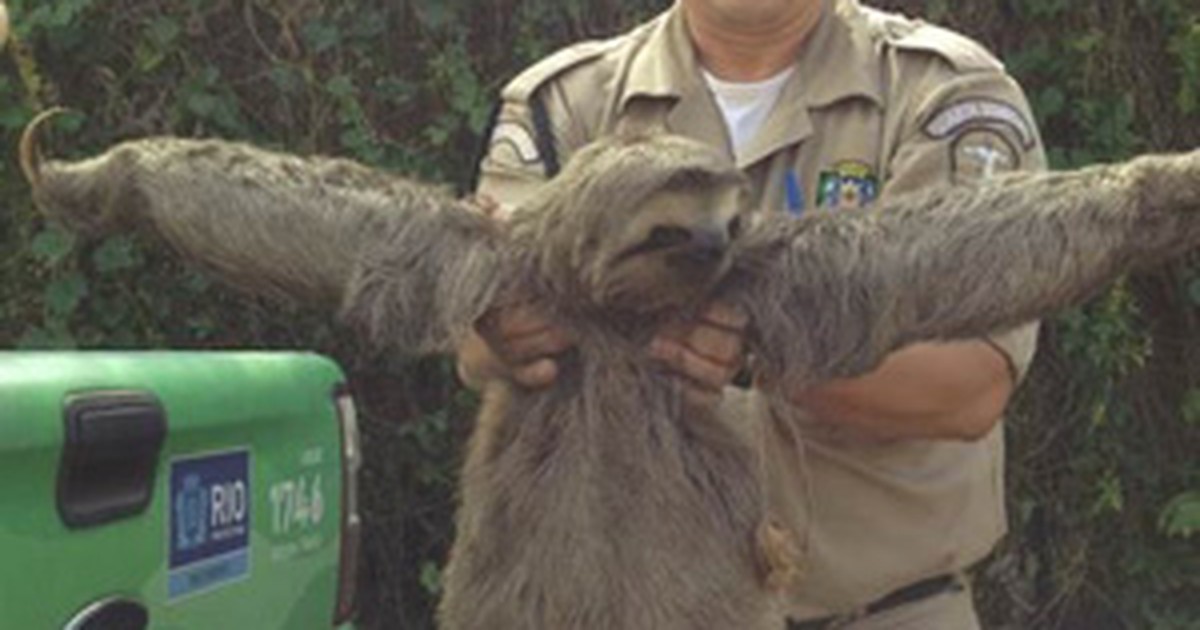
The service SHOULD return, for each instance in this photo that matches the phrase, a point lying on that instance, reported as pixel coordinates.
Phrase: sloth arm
(955, 263)
(402, 262)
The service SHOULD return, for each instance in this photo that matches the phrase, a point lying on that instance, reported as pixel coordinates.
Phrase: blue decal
(795, 194)
(209, 521)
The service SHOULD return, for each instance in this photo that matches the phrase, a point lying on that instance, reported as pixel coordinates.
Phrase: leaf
(1191, 407)
(64, 294)
(201, 326)
(431, 578)
(15, 116)
(111, 312)
(201, 104)
(35, 338)
(288, 79)
(341, 86)
(395, 89)
(196, 283)
(52, 245)
(56, 336)
(1193, 291)
(1181, 517)
(321, 37)
(1111, 496)
(147, 58)
(1186, 48)
(1051, 102)
(115, 254)
(164, 31)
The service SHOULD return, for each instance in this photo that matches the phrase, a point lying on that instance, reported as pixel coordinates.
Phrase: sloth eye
(664, 236)
(661, 237)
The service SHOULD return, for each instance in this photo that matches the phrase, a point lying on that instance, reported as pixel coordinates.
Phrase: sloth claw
(29, 153)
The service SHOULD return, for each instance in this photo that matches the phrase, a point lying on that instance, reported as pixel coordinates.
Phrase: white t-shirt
(746, 106)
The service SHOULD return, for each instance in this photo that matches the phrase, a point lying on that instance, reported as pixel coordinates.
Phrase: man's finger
(705, 372)
(540, 373)
(520, 320)
(717, 344)
(724, 315)
(540, 343)
(477, 362)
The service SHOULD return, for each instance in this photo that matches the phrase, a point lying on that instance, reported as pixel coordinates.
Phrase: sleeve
(971, 127)
(512, 166)
(543, 117)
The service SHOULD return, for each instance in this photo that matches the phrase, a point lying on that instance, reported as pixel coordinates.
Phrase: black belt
(914, 592)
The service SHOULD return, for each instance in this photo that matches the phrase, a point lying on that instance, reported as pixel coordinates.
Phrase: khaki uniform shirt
(878, 104)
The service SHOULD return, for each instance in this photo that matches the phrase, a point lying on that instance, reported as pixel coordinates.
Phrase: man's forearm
(954, 391)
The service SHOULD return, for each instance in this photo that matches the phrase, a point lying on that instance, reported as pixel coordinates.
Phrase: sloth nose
(706, 245)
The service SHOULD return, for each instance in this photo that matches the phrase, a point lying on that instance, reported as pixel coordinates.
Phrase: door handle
(110, 454)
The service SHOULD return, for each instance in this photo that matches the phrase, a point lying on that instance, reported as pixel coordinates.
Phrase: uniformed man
(891, 481)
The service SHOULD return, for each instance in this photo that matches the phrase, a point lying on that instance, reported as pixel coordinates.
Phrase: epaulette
(525, 84)
(963, 53)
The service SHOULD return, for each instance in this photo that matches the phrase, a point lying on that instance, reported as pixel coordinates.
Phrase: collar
(838, 61)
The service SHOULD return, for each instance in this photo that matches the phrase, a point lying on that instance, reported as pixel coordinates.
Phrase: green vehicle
(176, 490)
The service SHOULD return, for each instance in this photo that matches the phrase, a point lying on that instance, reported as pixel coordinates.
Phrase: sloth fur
(605, 501)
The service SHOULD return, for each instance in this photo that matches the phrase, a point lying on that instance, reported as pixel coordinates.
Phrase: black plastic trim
(111, 444)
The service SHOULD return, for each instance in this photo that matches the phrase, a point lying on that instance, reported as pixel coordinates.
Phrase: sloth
(607, 500)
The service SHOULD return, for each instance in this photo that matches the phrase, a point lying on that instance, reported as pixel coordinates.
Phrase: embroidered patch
(980, 112)
(981, 153)
(849, 184)
(517, 140)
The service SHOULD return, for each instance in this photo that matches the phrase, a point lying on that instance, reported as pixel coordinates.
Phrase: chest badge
(848, 184)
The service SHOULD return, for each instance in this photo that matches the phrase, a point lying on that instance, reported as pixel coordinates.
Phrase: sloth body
(605, 501)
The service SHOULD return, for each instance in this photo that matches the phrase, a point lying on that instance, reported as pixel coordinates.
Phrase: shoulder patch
(526, 83)
(517, 140)
(981, 153)
(967, 113)
(963, 53)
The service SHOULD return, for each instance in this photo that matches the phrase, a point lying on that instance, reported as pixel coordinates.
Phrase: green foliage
(1186, 47)
(1103, 467)
(1181, 517)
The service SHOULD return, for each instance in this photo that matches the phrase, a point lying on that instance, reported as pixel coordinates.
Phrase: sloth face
(634, 225)
(668, 251)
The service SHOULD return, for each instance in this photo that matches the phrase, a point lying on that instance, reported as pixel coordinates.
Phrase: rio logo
(228, 501)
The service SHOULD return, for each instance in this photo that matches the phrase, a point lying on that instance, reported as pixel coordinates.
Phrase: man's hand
(706, 352)
(517, 343)
(520, 344)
